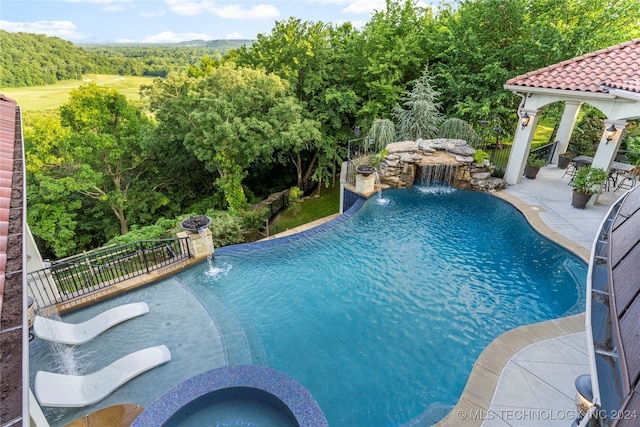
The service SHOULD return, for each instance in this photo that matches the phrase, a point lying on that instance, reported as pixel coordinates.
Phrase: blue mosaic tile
(298, 399)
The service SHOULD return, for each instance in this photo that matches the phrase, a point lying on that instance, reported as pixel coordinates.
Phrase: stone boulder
(406, 161)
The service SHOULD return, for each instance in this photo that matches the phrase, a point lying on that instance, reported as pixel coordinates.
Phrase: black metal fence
(73, 277)
(280, 204)
(544, 152)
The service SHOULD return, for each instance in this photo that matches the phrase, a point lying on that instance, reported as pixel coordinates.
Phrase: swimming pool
(380, 317)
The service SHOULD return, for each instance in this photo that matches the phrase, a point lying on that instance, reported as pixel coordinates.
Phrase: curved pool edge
(478, 394)
(483, 380)
(297, 399)
(532, 215)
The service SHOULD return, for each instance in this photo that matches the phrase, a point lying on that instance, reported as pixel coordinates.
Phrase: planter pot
(530, 172)
(579, 200)
(563, 162)
(365, 170)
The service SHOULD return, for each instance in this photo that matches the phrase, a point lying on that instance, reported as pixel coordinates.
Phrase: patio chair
(80, 333)
(621, 158)
(573, 168)
(76, 391)
(628, 181)
(612, 181)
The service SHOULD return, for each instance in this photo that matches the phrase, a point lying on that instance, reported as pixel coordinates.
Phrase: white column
(521, 147)
(607, 150)
(565, 129)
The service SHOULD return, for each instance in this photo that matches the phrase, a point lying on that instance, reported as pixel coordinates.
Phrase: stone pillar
(200, 244)
(365, 185)
(521, 148)
(565, 128)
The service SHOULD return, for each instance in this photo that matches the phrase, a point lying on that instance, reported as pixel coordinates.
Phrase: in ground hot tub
(242, 395)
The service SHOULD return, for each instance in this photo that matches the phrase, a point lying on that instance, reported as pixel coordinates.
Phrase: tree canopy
(235, 118)
(222, 131)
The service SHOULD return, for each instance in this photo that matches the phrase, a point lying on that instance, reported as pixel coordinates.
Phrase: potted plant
(564, 159)
(586, 182)
(533, 167)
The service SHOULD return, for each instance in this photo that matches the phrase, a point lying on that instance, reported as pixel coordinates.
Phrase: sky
(171, 21)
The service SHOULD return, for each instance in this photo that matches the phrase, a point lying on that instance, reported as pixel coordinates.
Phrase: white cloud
(171, 37)
(152, 14)
(108, 5)
(105, 2)
(63, 29)
(361, 6)
(229, 11)
(355, 6)
(234, 35)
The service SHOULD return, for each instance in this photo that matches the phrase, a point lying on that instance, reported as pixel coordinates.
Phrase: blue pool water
(380, 317)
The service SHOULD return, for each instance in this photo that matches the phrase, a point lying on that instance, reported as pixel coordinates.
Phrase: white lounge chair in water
(80, 333)
(77, 391)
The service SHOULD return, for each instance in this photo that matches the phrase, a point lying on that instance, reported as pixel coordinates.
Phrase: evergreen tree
(418, 116)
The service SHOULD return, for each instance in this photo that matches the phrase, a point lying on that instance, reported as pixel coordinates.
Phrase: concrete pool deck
(526, 376)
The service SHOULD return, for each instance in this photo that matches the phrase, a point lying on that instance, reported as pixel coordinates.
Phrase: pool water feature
(382, 315)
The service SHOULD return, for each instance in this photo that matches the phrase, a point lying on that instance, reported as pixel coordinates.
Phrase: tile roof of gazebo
(616, 67)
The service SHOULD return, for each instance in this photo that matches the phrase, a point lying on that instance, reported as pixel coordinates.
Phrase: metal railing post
(144, 257)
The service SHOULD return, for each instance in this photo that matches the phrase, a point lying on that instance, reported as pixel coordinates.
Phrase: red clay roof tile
(614, 67)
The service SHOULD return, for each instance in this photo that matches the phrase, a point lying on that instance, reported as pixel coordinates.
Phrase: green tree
(418, 115)
(482, 44)
(232, 119)
(391, 51)
(312, 57)
(103, 155)
(62, 220)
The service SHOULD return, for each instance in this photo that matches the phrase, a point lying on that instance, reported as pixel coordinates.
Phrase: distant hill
(34, 59)
(219, 44)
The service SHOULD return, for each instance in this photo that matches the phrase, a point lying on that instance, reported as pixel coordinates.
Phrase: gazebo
(608, 79)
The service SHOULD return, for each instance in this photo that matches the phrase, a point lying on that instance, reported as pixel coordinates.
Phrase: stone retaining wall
(400, 167)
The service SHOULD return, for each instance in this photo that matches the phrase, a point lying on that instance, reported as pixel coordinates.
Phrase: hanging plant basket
(365, 170)
(196, 223)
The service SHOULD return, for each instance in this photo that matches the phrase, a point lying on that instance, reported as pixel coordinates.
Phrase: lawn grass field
(47, 97)
(544, 130)
(312, 208)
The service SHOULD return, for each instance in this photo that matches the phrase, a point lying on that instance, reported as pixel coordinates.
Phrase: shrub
(163, 229)
(535, 162)
(295, 194)
(226, 228)
(481, 157)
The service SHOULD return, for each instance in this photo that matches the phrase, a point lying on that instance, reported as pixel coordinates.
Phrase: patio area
(550, 196)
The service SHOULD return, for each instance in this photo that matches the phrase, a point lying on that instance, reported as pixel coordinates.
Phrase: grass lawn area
(543, 133)
(47, 97)
(328, 203)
